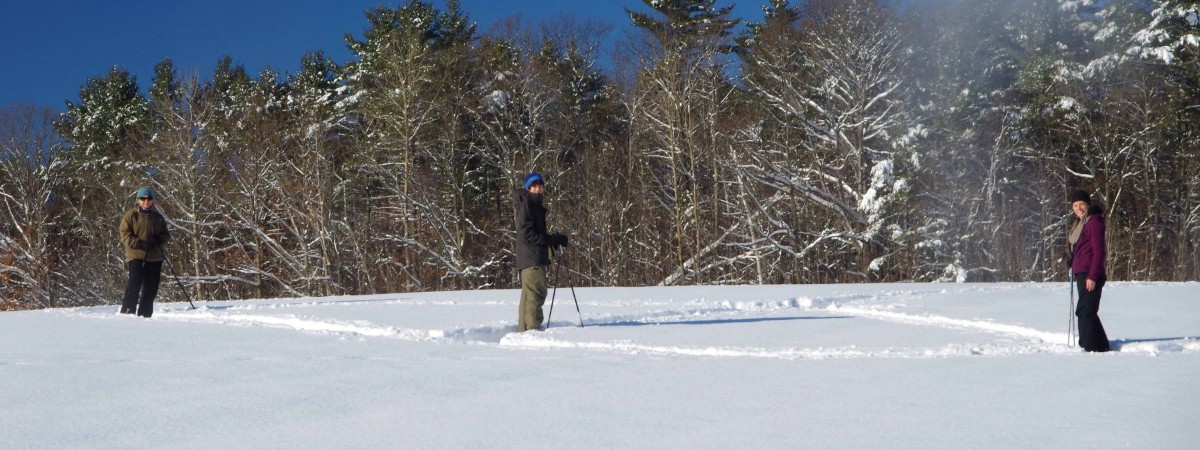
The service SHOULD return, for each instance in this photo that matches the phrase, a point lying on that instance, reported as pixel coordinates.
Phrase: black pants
(1091, 332)
(144, 277)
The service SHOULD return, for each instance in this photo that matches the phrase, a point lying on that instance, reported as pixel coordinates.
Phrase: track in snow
(1009, 339)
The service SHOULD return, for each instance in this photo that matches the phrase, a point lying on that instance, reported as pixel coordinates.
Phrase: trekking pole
(571, 283)
(180, 283)
(172, 267)
(555, 291)
(1071, 313)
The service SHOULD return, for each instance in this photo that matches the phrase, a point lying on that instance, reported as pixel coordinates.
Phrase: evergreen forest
(824, 141)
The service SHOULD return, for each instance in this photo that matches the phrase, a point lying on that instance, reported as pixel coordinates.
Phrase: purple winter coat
(1089, 252)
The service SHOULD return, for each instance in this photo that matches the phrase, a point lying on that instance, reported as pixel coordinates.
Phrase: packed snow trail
(884, 306)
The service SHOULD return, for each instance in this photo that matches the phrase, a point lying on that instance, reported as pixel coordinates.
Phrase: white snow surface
(866, 366)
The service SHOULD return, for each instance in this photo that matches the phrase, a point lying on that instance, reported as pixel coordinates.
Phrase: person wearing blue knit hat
(532, 250)
(143, 232)
(533, 178)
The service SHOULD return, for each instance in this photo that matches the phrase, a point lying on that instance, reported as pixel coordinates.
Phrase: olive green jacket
(145, 226)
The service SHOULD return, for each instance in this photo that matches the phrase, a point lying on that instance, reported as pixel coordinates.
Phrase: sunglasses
(147, 198)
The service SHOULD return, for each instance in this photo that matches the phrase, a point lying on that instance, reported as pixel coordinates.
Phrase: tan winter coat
(138, 225)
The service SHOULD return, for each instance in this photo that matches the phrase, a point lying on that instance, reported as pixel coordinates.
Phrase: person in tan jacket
(143, 233)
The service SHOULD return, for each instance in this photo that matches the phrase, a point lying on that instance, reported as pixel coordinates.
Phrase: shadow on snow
(631, 323)
(1119, 343)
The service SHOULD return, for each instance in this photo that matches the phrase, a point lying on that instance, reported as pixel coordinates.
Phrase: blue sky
(52, 47)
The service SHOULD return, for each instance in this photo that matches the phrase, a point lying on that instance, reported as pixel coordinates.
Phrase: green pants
(533, 296)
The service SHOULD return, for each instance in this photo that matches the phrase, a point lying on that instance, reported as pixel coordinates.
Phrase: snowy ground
(904, 366)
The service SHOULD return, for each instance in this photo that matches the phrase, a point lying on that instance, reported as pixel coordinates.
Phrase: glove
(141, 245)
(558, 240)
(153, 242)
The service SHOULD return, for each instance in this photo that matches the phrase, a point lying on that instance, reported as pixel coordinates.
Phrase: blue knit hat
(533, 177)
(144, 192)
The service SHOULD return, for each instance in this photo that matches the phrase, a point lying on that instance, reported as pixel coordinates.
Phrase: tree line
(828, 141)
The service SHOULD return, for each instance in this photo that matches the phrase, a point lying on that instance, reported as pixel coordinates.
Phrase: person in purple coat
(1087, 265)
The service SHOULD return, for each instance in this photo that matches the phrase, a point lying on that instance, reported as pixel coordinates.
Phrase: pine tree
(681, 106)
(829, 75)
(1172, 41)
(104, 148)
(409, 90)
(32, 175)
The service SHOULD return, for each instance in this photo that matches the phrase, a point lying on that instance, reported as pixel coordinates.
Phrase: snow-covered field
(905, 366)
